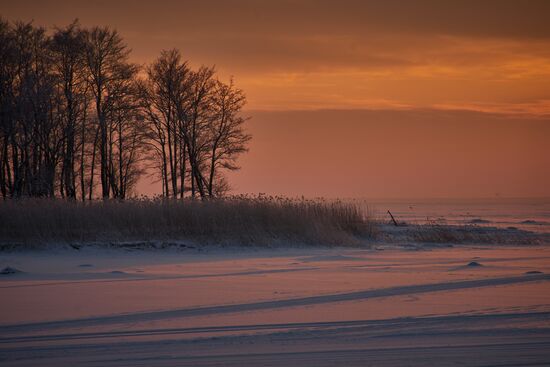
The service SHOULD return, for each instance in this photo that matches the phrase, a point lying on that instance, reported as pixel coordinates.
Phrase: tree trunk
(122, 189)
(212, 169)
(82, 160)
(94, 150)
(182, 167)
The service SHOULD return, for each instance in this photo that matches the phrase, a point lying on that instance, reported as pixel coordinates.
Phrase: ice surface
(294, 306)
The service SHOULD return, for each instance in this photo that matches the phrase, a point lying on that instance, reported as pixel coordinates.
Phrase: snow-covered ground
(469, 305)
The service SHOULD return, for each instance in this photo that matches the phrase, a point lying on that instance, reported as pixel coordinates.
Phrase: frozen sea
(532, 214)
(474, 304)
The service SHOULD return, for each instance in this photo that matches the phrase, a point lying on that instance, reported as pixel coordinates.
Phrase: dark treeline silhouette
(79, 120)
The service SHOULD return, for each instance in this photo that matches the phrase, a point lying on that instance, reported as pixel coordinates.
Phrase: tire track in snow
(402, 323)
(140, 278)
(269, 305)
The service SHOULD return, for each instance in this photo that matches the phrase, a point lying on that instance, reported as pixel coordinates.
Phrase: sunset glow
(245, 183)
(479, 72)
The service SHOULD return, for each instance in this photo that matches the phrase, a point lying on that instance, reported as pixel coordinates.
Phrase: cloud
(536, 109)
(311, 54)
(488, 18)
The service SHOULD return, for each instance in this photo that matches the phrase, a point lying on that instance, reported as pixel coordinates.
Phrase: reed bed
(243, 220)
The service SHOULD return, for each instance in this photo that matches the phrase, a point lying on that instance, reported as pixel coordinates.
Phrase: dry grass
(237, 220)
(471, 234)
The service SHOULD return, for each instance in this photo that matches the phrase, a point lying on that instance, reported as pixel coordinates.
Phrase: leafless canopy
(75, 113)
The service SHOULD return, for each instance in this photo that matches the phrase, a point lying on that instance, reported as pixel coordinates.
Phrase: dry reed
(244, 220)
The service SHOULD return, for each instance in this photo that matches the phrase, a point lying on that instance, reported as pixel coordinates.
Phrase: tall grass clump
(235, 220)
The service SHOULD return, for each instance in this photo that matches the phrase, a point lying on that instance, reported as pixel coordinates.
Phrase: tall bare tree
(67, 45)
(227, 138)
(34, 131)
(195, 115)
(106, 58)
(7, 106)
(126, 132)
(163, 93)
(195, 122)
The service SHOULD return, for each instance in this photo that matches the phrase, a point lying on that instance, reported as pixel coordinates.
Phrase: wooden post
(393, 219)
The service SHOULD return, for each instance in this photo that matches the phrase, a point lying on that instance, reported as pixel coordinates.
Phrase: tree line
(79, 120)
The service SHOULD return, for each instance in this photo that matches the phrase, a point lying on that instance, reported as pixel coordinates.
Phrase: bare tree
(163, 94)
(7, 106)
(227, 138)
(105, 55)
(71, 103)
(195, 122)
(33, 127)
(126, 133)
(194, 114)
(67, 45)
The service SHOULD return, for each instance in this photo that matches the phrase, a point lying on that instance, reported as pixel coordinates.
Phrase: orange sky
(426, 98)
